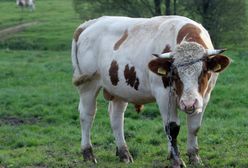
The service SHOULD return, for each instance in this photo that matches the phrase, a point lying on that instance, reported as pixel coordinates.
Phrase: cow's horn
(164, 55)
(214, 51)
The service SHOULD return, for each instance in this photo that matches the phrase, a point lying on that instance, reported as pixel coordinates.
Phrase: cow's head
(191, 69)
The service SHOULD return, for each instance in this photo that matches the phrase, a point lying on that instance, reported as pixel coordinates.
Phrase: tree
(225, 20)
(157, 4)
(167, 9)
(175, 7)
(135, 8)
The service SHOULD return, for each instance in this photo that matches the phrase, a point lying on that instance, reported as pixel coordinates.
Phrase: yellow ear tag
(217, 67)
(161, 71)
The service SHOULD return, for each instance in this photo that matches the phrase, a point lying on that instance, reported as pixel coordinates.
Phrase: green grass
(39, 123)
(56, 24)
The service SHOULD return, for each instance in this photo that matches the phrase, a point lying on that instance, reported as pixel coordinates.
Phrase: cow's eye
(175, 75)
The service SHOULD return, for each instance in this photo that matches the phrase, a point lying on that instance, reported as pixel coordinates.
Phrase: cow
(26, 3)
(169, 60)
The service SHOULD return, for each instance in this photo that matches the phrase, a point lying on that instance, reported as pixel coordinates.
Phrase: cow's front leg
(194, 123)
(116, 111)
(172, 127)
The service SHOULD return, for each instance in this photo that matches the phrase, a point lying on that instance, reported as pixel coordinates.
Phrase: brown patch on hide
(107, 95)
(208, 90)
(130, 76)
(138, 107)
(77, 33)
(164, 64)
(136, 85)
(203, 82)
(113, 73)
(179, 85)
(78, 80)
(217, 63)
(156, 64)
(166, 81)
(175, 79)
(167, 49)
(190, 33)
(121, 40)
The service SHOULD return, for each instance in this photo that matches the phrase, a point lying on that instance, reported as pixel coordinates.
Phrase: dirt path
(6, 33)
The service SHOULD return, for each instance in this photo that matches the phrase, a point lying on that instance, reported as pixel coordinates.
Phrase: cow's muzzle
(190, 106)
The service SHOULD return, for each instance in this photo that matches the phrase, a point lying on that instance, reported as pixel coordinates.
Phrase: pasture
(39, 121)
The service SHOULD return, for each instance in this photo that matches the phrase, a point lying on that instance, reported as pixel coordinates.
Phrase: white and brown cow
(117, 54)
(26, 3)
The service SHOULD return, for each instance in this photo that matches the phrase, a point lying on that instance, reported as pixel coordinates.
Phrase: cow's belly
(129, 95)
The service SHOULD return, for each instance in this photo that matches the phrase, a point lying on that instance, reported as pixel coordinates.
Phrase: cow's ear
(217, 63)
(160, 66)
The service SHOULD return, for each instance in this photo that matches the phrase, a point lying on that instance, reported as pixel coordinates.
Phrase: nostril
(188, 104)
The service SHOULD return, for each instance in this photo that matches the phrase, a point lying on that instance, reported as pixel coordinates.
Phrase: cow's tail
(74, 58)
(77, 73)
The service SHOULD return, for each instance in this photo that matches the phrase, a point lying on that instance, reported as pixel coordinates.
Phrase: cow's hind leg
(116, 111)
(87, 108)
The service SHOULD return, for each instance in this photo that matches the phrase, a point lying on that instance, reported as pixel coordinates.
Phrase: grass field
(39, 123)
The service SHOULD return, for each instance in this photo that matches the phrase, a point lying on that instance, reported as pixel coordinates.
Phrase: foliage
(225, 20)
(134, 8)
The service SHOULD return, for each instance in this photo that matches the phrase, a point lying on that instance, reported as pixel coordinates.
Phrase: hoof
(176, 161)
(179, 163)
(124, 154)
(195, 160)
(88, 154)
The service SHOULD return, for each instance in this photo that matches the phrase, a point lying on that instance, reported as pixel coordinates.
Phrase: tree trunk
(167, 7)
(157, 4)
(210, 21)
(175, 7)
(205, 6)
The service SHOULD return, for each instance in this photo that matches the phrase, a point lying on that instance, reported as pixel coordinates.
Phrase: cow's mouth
(193, 111)
(190, 112)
